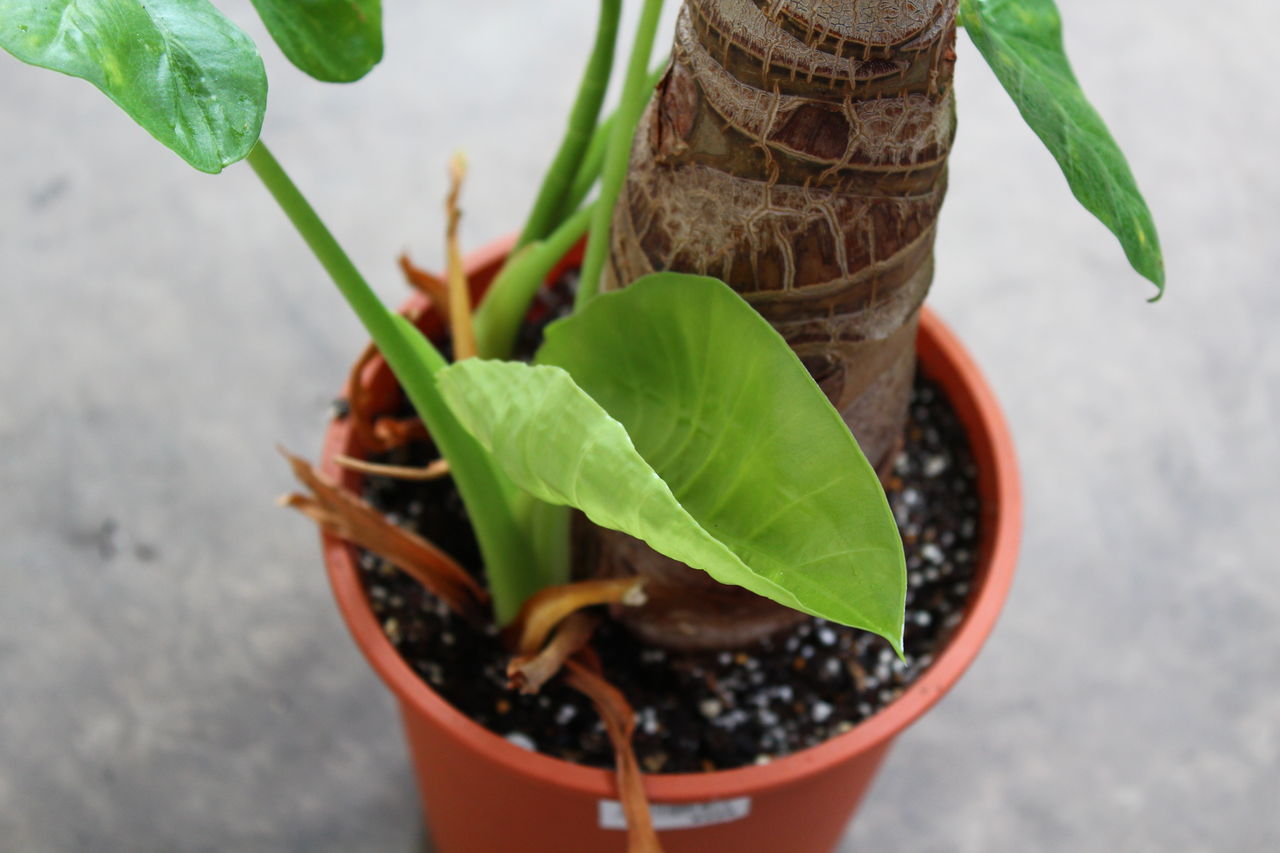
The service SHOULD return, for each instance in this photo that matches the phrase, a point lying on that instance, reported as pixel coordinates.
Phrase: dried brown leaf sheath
(527, 673)
(379, 433)
(345, 515)
(396, 432)
(361, 418)
(426, 282)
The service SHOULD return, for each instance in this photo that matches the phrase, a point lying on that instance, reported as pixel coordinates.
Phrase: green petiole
(634, 97)
(593, 159)
(498, 319)
(582, 121)
(500, 314)
(488, 494)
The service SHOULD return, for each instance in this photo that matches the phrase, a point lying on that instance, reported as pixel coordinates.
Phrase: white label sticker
(679, 815)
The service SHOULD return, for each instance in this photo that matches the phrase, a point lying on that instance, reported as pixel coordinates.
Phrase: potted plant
(501, 425)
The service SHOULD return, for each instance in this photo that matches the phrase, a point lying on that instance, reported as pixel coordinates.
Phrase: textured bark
(797, 150)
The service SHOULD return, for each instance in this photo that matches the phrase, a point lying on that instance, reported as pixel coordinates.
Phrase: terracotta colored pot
(483, 794)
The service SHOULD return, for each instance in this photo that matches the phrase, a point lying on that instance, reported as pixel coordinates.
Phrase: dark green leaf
(1022, 42)
(671, 411)
(332, 40)
(180, 69)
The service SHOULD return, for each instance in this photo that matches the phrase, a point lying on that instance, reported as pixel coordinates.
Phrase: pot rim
(943, 358)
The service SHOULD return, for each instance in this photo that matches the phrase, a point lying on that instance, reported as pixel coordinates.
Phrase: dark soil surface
(701, 711)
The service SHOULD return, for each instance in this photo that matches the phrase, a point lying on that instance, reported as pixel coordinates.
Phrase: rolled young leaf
(336, 41)
(180, 69)
(1022, 42)
(671, 411)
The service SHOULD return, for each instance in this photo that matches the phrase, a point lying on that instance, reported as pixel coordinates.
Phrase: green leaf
(1022, 42)
(180, 69)
(672, 411)
(336, 41)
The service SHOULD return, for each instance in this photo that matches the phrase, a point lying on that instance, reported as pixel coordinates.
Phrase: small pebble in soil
(710, 708)
(522, 740)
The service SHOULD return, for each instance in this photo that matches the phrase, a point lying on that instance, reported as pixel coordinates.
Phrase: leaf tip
(898, 649)
(1154, 273)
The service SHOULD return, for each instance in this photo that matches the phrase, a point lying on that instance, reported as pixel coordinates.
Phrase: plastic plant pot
(482, 793)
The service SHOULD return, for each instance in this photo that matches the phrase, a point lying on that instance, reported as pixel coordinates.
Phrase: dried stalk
(460, 323)
(620, 723)
(435, 470)
(543, 610)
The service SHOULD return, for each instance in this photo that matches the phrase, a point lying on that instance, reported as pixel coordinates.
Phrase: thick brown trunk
(797, 150)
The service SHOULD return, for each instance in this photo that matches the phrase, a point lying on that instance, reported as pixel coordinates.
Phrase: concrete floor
(173, 675)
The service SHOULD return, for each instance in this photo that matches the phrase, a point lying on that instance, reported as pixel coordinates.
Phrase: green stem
(582, 121)
(589, 172)
(497, 321)
(593, 159)
(414, 361)
(507, 301)
(549, 528)
(634, 97)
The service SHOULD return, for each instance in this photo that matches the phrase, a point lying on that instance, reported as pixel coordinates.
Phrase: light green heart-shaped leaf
(1022, 42)
(336, 41)
(673, 412)
(179, 68)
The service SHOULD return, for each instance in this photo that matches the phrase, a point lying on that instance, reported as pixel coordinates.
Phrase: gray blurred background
(173, 674)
